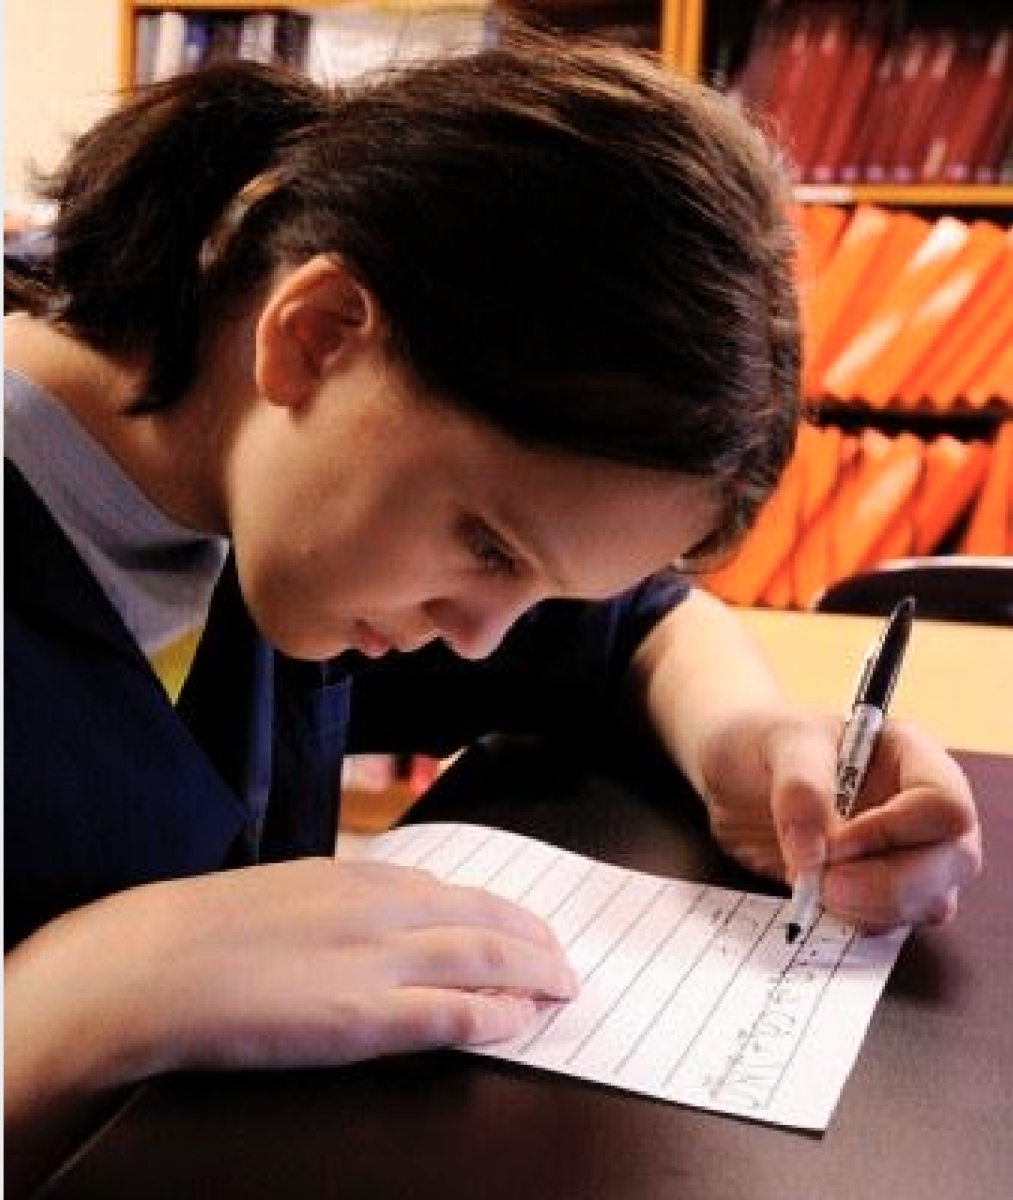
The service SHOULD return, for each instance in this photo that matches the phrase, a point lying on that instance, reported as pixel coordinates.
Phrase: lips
(374, 643)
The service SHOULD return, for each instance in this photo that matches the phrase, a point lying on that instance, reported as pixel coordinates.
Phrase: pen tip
(792, 932)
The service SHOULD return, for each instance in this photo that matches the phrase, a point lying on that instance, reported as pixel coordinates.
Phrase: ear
(315, 318)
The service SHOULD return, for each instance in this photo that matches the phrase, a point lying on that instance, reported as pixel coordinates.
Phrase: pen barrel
(857, 744)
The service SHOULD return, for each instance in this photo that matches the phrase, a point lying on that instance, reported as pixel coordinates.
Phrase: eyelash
(487, 552)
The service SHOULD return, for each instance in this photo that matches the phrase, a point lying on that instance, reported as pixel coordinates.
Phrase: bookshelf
(911, 448)
(708, 39)
(658, 25)
(923, 60)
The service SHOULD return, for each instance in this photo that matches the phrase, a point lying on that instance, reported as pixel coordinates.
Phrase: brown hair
(568, 241)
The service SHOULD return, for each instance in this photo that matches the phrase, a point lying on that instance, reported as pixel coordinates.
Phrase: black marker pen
(868, 712)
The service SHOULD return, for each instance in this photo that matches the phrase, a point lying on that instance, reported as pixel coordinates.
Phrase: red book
(790, 65)
(813, 105)
(924, 101)
(996, 145)
(878, 117)
(952, 113)
(881, 151)
(856, 89)
(983, 107)
(755, 81)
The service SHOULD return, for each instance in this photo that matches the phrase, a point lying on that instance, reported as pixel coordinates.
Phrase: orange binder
(995, 383)
(819, 228)
(816, 478)
(825, 456)
(930, 319)
(872, 250)
(849, 375)
(988, 529)
(745, 576)
(885, 476)
(954, 473)
(973, 338)
(898, 538)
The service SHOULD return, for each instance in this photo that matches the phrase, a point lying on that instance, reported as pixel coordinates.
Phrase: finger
(473, 959)
(906, 887)
(907, 758)
(413, 1019)
(415, 899)
(945, 908)
(802, 772)
(920, 816)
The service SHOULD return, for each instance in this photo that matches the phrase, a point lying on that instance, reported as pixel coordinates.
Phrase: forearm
(303, 963)
(698, 672)
(79, 1015)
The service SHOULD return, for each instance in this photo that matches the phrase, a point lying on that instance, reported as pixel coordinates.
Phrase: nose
(473, 630)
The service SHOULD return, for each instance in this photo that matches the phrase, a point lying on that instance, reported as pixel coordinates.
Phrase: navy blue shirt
(107, 785)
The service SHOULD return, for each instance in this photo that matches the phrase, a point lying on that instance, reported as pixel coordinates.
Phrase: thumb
(802, 806)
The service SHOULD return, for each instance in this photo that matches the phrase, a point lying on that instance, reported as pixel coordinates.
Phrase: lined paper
(689, 992)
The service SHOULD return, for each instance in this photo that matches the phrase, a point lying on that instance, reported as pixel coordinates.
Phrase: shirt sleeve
(559, 672)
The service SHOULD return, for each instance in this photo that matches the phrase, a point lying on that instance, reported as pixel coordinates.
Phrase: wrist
(82, 1008)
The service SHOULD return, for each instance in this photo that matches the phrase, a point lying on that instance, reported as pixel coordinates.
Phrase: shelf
(963, 423)
(908, 195)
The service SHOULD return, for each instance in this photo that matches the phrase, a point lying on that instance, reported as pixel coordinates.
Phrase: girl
(407, 398)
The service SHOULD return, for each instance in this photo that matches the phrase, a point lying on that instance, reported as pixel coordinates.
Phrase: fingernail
(571, 983)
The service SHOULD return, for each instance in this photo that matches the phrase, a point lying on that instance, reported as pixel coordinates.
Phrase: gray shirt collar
(158, 574)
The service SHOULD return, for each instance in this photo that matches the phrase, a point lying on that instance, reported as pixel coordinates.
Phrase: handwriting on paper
(689, 993)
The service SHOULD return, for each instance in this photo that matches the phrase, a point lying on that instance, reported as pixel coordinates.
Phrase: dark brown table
(926, 1112)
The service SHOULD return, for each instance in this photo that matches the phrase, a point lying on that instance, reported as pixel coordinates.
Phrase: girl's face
(368, 518)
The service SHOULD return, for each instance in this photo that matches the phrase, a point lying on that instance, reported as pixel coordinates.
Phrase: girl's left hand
(902, 858)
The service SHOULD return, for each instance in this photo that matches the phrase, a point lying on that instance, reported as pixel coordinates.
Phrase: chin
(292, 629)
(308, 645)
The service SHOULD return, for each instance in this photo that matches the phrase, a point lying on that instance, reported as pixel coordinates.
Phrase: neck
(166, 454)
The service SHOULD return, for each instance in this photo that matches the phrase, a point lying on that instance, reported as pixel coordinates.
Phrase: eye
(488, 551)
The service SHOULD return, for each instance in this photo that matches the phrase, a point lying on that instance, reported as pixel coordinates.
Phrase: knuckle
(491, 951)
(458, 1021)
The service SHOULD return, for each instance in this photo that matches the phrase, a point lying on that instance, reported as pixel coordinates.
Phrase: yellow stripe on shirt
(173, 662)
